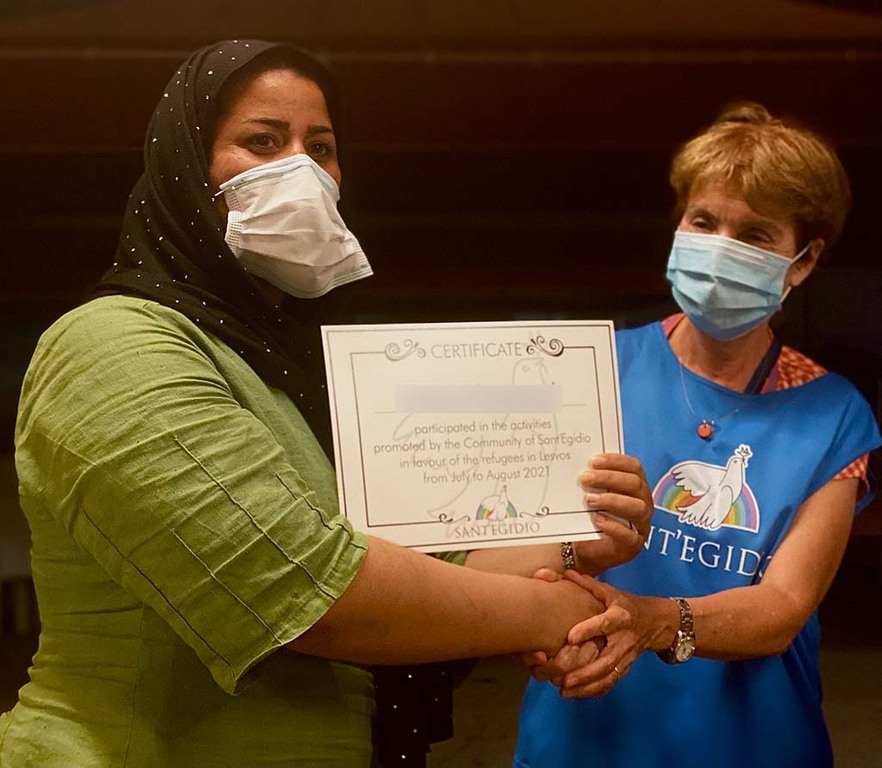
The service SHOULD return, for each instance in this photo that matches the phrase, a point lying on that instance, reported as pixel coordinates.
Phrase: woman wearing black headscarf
(202, 601)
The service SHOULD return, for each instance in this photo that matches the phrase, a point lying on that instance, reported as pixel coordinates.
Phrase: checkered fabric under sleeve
(795, 369)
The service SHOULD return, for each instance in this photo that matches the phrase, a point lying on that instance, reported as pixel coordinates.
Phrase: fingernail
(588, 477)
(592, 498)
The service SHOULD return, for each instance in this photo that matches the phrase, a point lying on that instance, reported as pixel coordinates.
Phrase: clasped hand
(599, 651)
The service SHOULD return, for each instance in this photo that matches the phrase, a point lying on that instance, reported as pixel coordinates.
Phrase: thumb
(546, 574)
(603, 592)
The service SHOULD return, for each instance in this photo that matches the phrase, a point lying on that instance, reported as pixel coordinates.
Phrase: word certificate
(468, 435)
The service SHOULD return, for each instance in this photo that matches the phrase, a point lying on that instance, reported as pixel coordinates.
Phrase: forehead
(726, 199)
(278, 93)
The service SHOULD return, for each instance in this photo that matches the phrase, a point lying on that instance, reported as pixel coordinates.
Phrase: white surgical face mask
(724, 286)
(283, 226)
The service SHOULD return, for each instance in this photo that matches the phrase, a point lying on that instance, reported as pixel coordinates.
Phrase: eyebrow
(272, 122)
(699, 210)
(754, 221)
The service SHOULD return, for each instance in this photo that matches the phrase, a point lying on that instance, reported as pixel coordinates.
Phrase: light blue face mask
(726, 287)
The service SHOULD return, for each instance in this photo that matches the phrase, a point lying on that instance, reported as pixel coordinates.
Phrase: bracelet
(568, 555)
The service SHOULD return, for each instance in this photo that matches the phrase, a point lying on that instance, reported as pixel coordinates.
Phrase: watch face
(684, 650)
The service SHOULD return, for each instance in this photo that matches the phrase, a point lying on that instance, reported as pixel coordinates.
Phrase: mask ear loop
(220, 192)
(793, 261)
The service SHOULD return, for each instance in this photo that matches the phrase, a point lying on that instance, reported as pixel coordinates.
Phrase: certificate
(469, 435)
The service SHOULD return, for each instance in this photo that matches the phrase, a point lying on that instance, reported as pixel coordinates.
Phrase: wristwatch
(684, 643)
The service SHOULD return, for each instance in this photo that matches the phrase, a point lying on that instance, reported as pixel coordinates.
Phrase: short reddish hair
(779, 169)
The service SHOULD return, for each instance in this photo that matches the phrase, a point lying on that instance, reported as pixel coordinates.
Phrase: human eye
(759, 237)
(262, 143)
(701, 222)
(321, 150)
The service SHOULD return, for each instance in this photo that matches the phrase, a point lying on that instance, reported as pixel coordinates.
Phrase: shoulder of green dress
(111, 341)
(111, 315)
(121, 323)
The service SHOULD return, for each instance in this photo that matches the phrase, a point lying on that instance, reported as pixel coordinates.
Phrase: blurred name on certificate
(468, 435)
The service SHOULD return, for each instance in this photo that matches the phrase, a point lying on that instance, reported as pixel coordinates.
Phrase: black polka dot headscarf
(172, 248)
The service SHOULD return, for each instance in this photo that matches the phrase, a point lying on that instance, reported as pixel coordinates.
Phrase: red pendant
(706, 430)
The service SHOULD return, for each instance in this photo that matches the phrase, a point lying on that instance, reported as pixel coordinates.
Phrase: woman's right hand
(599, 650)
(617, 491)
(572, 656)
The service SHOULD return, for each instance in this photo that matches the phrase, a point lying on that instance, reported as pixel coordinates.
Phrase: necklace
(705, 429)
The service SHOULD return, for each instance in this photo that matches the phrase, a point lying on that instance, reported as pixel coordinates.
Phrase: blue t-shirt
(722, 507)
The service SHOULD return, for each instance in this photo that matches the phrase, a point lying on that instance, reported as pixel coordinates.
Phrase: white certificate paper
(468, 435)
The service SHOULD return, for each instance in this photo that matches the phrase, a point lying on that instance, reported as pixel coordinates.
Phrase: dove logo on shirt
(710, 496)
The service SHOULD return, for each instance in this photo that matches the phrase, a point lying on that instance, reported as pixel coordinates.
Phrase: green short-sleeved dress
(185, 528)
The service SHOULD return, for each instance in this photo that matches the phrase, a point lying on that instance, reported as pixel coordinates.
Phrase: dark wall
(480, 186)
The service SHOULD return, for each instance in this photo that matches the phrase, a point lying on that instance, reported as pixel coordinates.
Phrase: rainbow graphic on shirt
(669, 496)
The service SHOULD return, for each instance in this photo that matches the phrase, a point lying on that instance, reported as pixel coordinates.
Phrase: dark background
(505, 158)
